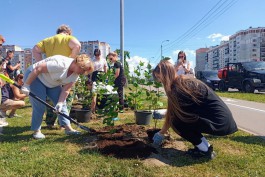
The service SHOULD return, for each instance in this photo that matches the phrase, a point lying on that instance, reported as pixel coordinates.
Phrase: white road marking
(247, 107)
(230, 100)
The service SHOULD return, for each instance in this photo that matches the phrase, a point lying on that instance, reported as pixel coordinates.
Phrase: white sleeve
(55, 66)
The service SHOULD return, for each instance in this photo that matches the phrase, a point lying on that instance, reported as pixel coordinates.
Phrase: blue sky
(187, 24)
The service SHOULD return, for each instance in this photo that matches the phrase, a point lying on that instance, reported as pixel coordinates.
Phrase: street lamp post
(162, 48)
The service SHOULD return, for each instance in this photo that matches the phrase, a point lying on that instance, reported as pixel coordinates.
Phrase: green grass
(257, 97)
(240, 154)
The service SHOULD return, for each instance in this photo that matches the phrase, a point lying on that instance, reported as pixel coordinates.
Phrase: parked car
(244, 76)
(210, 78)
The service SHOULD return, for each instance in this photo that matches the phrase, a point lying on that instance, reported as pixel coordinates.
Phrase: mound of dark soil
(123, 141)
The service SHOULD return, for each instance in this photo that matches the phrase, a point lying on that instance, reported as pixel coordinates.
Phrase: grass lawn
(257, 97)
(240, 154)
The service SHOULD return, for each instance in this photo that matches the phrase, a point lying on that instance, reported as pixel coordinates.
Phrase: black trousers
(120, 94)
(119, 85)
(189, 131)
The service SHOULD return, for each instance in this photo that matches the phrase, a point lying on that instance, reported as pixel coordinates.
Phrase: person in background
(2, 117)
(12, 99)
(63, 43)
(2, 41)
(54, 77)
(193, 109)
(18, 96)
(120, 79)
(182, 66)
(9, 68)
(100, 66)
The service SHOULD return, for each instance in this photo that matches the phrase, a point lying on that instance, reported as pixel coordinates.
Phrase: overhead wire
(207, 23)
(211, 14)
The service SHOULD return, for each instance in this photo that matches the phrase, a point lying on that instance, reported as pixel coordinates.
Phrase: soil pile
(122, 141)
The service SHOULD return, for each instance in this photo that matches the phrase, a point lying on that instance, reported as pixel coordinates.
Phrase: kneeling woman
(193, 109)
(54, 77)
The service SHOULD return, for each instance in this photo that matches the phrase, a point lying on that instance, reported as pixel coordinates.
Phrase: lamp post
(162, 48)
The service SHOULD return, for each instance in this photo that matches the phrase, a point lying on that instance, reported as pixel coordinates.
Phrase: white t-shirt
(57, 66)
(99, 64)
(181, 70)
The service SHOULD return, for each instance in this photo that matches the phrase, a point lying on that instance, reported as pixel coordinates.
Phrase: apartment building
(218, 56)
(201, 59)
(88, 47)
(248, 45)
(245, 45)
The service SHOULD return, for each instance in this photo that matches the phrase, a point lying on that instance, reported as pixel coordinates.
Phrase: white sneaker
(38, 135)
(3, 122)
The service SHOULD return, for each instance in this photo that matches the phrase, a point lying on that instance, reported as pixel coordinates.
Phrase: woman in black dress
(193, 109)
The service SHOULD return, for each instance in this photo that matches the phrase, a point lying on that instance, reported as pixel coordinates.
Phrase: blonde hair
(64, 28)
(2, 39)
(84, 60)
(177, 89)
(114, 54)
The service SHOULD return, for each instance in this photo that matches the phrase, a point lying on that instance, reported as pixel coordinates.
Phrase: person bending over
(53, 77)
(193, 109)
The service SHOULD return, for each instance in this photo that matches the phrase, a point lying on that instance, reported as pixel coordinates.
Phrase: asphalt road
(249, 116)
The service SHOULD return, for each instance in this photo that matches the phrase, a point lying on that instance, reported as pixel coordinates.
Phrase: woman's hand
(158, 139)
(25, 89)
(59, 107)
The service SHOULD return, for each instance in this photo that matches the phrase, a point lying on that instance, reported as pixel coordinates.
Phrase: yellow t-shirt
(56, 45)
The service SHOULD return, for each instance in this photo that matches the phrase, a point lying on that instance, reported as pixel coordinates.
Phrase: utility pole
(122, 32)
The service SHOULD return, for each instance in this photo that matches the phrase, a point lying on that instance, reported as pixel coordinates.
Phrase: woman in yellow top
(63, 43)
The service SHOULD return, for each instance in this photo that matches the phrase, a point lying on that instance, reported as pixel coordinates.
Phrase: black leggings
(188, 131)
(120, 94)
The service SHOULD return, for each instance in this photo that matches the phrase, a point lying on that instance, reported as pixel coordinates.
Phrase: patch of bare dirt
(133, 141)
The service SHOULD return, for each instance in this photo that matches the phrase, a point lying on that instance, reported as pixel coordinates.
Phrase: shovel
(8, 80)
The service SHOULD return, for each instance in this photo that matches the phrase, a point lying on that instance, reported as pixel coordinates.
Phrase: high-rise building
(218, 56)
(88, 47)
(201, 59)
(245, 45)
(248, 45)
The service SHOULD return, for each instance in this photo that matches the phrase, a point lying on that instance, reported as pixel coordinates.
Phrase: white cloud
(218, 36)
(135, 61)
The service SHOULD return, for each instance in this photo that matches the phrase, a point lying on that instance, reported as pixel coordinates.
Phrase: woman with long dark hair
(193, 109)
